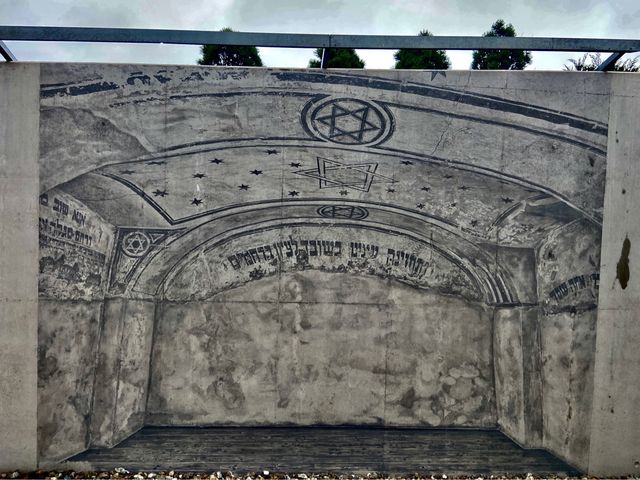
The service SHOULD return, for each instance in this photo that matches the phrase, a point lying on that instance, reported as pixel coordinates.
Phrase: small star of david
(135, 244)
(420, 206)
(349, 122)
(160, 193)
(196, 202)
(199, 175)
(256, 172)
(294, 193)
(295, 164)
(356, 176)
(507, 200)
(217, 161)
(243, 187)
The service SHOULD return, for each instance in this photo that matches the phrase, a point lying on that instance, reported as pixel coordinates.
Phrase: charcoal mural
(292, 235)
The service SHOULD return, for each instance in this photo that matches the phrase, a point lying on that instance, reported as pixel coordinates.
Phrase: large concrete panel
(615, 430)
(19, 123)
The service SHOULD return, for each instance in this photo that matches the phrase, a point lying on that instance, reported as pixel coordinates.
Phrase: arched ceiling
(191, 155)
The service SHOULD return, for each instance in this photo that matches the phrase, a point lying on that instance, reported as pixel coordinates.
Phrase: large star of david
(349, 122)
(332, 174)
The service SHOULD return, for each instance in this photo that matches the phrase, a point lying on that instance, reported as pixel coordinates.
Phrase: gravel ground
(121, 473)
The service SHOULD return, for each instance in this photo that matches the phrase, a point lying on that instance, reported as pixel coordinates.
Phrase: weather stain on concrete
(622, 268)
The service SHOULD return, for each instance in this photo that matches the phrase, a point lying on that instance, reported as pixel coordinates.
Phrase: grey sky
(543, 18)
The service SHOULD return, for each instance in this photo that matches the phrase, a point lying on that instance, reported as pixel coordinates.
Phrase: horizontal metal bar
(609, 63)
(6, 53)
(300, 40)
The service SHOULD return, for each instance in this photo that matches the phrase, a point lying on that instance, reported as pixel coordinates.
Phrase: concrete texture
(19, 104)
(517, 362)
(287, 351)
(298, 234)
(615, 428)
(122, 374)
(67, 341)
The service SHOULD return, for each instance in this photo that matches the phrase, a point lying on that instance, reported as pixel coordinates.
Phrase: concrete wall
(19, 105)
(323, 348)
(244, 207)
(615, 426)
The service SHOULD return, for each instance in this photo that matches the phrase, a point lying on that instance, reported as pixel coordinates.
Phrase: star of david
(135, 244)
(356, 176)
(348, 122)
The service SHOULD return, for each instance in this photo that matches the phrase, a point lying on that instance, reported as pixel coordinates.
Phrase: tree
(590, 62)
(500, 59)
(338, 58)
(230, 55)
(419, 58)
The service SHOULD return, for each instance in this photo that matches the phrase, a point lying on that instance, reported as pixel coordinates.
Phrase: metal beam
(6, 53)
(610, 62)
(298, 40)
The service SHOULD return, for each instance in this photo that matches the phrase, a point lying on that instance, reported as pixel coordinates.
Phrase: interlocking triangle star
(344, 122)
(356, 176)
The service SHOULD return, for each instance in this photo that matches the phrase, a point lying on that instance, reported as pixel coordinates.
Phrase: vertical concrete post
(615, 423)
(19, 123)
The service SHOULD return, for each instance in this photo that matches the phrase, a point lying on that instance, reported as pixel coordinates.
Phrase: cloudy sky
(542, 18)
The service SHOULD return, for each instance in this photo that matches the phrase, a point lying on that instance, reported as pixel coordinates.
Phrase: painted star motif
(348, 124)
(406, 162)
(256, 172)
(391, 190)
(243, 187)
(507, 199)
(127, 172)
(295, 164)
(217, 161)
(420, 206)
(272, 152)
(196, 201)
(199, 175)
(136, 243)
(425, 189)
(160, 193)
(156, 162)
(294, 193)
(355, 176)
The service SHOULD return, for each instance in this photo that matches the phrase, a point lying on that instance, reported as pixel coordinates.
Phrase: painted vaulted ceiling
(186, 160)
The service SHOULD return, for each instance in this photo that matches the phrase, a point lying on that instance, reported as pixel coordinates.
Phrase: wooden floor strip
(325, 449)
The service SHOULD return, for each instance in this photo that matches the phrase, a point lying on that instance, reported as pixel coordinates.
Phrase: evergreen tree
(500, 59)
(230, 55)
(418, 58)
(338, 58)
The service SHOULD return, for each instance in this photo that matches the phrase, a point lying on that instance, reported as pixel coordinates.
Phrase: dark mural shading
(254, 243)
